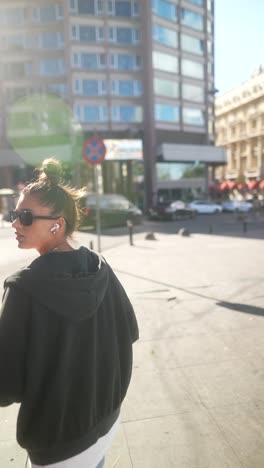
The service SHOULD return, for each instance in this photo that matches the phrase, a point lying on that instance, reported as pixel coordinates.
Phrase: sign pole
(94, 152)
(98, 218)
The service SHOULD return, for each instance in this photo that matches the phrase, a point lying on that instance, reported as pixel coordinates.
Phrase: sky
(239, 41)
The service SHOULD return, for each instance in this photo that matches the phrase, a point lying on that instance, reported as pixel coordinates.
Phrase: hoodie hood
(72, 284)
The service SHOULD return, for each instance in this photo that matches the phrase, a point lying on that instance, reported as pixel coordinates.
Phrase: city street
(196, 396)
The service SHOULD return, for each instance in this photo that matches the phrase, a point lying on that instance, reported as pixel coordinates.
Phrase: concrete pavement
(196, 395)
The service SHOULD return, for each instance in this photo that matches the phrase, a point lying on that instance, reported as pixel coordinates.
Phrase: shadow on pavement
(245, 308)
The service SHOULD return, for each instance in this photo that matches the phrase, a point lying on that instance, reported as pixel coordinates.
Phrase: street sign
(94, 150)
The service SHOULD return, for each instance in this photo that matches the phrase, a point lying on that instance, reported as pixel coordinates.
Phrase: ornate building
(240, 130)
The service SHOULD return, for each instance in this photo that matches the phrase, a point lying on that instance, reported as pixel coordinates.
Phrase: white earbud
(54, 228)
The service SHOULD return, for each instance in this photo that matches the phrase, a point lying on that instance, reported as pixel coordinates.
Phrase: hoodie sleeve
(14, 318)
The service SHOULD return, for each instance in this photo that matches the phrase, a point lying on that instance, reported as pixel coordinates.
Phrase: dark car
(171, 210)
(115, 210)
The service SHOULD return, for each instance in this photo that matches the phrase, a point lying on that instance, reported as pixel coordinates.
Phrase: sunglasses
(26, 217)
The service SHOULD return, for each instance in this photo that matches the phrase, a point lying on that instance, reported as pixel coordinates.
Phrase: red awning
(242, 186)
(261, 185)
(232, 184)
(253, 184)
(224, 186)
(214, 187)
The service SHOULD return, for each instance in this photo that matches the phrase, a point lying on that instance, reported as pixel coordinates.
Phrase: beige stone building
(240, 130)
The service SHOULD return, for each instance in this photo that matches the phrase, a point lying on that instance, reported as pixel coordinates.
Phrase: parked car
(115, 210)
(205, 206)
(241, 206)
(171, 210)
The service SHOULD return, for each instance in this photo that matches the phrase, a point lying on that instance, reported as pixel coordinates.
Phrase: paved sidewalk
(196, 396)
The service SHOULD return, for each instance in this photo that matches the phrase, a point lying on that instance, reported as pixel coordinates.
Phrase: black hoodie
(66, 334)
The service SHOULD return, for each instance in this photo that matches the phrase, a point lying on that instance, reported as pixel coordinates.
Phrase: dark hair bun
(51, 171)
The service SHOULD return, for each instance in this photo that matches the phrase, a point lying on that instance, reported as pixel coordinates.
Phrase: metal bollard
(130, 231)
(210, 229)
(91, 245)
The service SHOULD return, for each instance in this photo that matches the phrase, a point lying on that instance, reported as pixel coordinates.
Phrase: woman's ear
(62, 223)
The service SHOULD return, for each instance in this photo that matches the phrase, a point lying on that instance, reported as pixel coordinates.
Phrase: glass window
(92, 61)
(192, 44)
(15, 42)
(13, 16)
(47, 14)
(91, 113)
(127, 113)
(87, 33)
(127, 88)
(196, 2)
(166, 88)
(123, 8)
(193, 117)
(59, 88)
(101, 34)
(100, 7)
(191, 19)
(164, 35)
(124, 35)
(135, 8)
(50, 40)
(192, 93)
(75, 59)
(89, 61)
(167, 113)
(165, 62)
(90, 87)
(125, 62)
(176, 171)
(193, 69)
(52, 66)
(86, 7)
(164, 9)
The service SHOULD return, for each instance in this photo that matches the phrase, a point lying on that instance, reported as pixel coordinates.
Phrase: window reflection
(192, 93)
(196, 2)
(193, 69)
(164, 9)
(127, 113)
(164, 35)
(165, 62)
(177, 171)
(191, 19)
(193, 116)
(166, 113)
(166, 88)
(192, 44)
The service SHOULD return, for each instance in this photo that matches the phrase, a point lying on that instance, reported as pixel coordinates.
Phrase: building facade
(240, 130)
(128, 69)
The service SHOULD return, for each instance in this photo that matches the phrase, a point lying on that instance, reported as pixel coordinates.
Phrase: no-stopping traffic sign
(94, 150)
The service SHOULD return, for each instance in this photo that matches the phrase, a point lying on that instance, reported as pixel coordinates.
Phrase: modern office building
(240, 130)
(129, 70)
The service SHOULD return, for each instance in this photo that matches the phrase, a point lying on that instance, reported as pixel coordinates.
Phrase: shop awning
(232, 184)
(253, 184)
(224, 185)
(170, 152)
(261, 185)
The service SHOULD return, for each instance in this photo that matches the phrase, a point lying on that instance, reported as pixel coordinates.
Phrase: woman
(66, 334)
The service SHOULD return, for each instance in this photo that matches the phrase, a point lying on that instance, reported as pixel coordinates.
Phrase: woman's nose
(16, 223)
